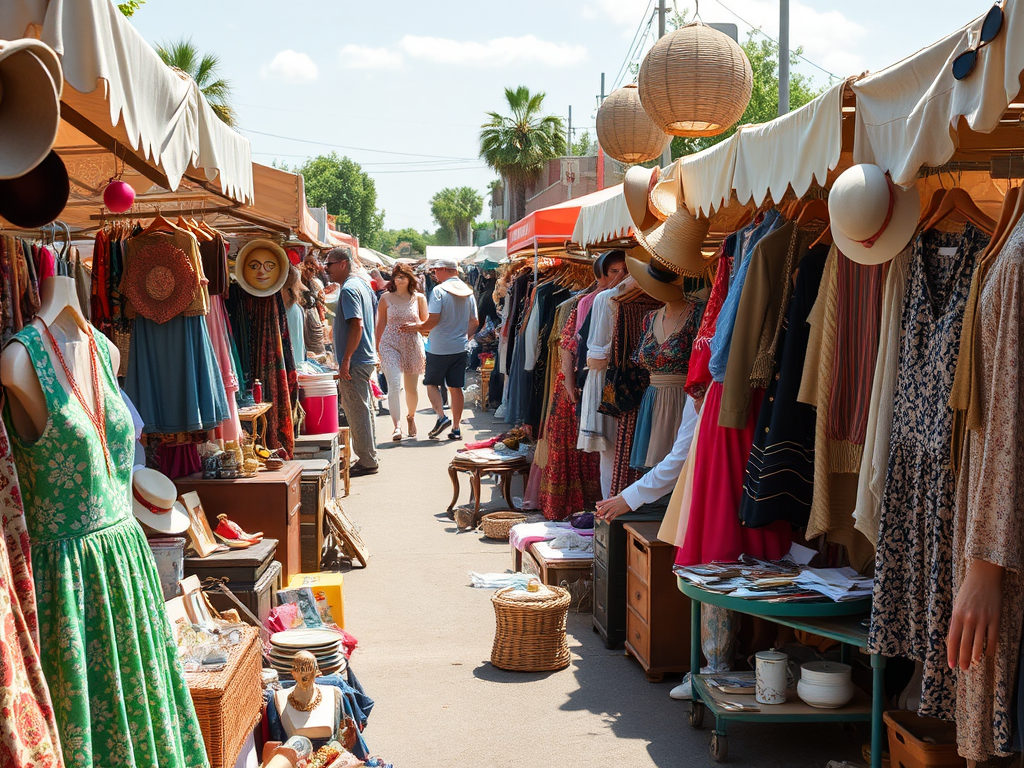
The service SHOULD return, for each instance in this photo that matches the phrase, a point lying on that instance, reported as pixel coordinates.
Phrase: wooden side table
(504, 469)
(345, 437)
(256, 417)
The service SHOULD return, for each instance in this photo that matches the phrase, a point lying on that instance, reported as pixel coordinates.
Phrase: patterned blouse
(672, 355)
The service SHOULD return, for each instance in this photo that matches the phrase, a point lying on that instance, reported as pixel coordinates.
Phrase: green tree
(342, 187)
(764, 98)
(389, 240)
(129, 8)
(518, 145)
(184, 57)
(455, 209)
(585, 145)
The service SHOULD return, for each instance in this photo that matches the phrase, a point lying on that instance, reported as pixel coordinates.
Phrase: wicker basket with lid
(530, 631)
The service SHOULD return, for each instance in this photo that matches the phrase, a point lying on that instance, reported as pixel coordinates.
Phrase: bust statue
(308, 709)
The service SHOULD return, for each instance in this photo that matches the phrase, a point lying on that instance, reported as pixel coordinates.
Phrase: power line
(765, 34)
(373, 164)
(359, 118)
(356, 149)
(646, 19)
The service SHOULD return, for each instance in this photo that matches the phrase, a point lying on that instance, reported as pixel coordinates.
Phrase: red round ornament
(118, 196)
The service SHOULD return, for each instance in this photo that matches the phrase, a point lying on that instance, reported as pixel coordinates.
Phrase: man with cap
(356, 356)
(451, 322)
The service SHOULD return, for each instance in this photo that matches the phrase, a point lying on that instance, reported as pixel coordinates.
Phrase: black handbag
(625, 381)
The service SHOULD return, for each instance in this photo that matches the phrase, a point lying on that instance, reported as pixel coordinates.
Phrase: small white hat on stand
(155, 502)
(871, 218)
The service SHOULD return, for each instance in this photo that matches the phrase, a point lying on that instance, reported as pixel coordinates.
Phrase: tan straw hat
(30, 87)
(637, 260)
(675, 244)
(871, 218)
(667, 193)
(636, 188)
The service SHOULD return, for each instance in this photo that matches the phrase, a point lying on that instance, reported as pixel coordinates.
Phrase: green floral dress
(106, 646)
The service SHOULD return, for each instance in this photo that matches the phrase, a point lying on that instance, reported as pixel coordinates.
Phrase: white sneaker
(682, 692)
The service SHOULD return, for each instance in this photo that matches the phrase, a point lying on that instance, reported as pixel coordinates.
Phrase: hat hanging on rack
(871, 218)
(637, 260)
(155, 502)
(37, 197)
(636, 189)
(676, 244)
(31, 84)
(261, 267)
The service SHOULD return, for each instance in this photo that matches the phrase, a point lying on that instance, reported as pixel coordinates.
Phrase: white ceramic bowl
(825, 684)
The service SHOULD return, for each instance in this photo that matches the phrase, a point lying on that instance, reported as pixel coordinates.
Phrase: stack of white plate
(324, 644)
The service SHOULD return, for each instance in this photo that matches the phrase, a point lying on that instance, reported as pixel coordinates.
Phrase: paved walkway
(425, 641)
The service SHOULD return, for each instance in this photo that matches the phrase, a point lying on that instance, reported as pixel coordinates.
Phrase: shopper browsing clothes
(356, 356)
(401, 354)
(451, 322)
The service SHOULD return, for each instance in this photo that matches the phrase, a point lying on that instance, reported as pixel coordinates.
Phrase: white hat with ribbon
(871, 218)
(155, 502)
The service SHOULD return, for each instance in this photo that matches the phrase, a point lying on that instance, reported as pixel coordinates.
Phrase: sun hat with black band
(652, 283)
(871, 218)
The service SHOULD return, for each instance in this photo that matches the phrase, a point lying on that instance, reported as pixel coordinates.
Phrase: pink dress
(401, 351)
(217, 322)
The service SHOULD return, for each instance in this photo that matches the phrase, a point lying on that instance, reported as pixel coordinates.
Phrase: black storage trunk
(252, 575)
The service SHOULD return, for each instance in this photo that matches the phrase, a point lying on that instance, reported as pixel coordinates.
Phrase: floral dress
(28, 733)
(106, 646)
(399, 351)
(913, 596)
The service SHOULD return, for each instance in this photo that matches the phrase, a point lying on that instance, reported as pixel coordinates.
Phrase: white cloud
(291, 67)
(626, 13)
(365, 57)
(499, 52)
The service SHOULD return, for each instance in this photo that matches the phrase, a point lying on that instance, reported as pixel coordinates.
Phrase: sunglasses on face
(964, 64)
(268, 266)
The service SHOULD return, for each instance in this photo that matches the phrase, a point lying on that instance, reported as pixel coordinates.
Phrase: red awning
(341, 238)
(551, 227)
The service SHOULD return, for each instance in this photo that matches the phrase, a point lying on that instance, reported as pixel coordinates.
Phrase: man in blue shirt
(356, 356)
(452, 321)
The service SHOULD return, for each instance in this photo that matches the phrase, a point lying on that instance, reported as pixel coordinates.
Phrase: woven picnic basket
(498, 525)
(530, 631)
(229, 703)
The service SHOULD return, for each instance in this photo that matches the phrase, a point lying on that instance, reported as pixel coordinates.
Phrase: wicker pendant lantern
(624, 130)
(695, 81)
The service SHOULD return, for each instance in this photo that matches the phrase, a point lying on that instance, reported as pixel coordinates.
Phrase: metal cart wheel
(719, 747)
(696, 714)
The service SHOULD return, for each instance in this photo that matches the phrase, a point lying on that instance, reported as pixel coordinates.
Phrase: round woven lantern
(695, 81)
(624, 130)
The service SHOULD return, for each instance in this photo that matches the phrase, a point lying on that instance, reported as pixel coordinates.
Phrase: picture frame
(199, 528)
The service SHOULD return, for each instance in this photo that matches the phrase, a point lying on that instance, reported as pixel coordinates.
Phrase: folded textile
(481, 444)
(523, 535)
(501, 580)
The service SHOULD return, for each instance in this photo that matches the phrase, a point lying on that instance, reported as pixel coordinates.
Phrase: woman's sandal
(396, 436)
(412, 425)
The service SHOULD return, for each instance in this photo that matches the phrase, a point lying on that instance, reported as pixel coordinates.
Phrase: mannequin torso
(61, 315)
(319, 723)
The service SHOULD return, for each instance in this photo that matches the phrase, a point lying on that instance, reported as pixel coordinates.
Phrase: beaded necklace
(98, 415)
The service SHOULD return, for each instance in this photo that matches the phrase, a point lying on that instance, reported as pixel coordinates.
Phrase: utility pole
(599, 103)
(783, 57)
(600, 152)
(666, 156)
(568, 133)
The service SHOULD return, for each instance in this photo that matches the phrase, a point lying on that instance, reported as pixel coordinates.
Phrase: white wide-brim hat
(155, 502)
(262, 249)
(871, 218)
(31, 83)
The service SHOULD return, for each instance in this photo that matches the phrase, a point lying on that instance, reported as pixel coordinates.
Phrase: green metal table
(843, 622)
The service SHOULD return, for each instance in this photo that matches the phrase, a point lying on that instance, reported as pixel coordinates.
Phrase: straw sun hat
(31, 83)
(261, 267)
(871, 218)
(637, 260)
(155, 502)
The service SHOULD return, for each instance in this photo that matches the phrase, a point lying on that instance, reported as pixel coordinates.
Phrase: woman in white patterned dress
(402, 357)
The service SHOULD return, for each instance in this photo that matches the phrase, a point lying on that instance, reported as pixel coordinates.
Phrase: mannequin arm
(28, 403)
(974, 629)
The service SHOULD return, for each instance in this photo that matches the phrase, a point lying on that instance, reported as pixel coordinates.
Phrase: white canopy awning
(116, 82)
(454, 252)
(496, 253)
(603, 220)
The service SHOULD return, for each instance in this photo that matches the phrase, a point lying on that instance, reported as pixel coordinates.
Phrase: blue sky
(401, 86)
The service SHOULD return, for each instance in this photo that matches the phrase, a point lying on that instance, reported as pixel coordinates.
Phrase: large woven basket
(498, 525)
(530, 631)
(625, 131)
(229, 703)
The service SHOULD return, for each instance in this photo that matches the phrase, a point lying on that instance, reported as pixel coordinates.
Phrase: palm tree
(184, 57)
(519, 145)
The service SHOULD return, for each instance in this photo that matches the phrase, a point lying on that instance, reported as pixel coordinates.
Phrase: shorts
(447, 370)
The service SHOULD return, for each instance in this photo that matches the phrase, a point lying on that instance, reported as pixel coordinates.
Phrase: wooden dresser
(269, 502)
(657, 613)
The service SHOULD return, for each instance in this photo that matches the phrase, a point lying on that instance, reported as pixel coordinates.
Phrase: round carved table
(504, 469)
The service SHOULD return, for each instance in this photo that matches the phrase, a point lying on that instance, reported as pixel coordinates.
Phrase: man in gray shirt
(451, 322)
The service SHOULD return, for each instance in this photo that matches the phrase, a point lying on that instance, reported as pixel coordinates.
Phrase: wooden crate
(229, 703)
(553, 572)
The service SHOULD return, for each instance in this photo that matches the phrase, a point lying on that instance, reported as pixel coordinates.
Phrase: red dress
(571, 479)
(713, 528)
